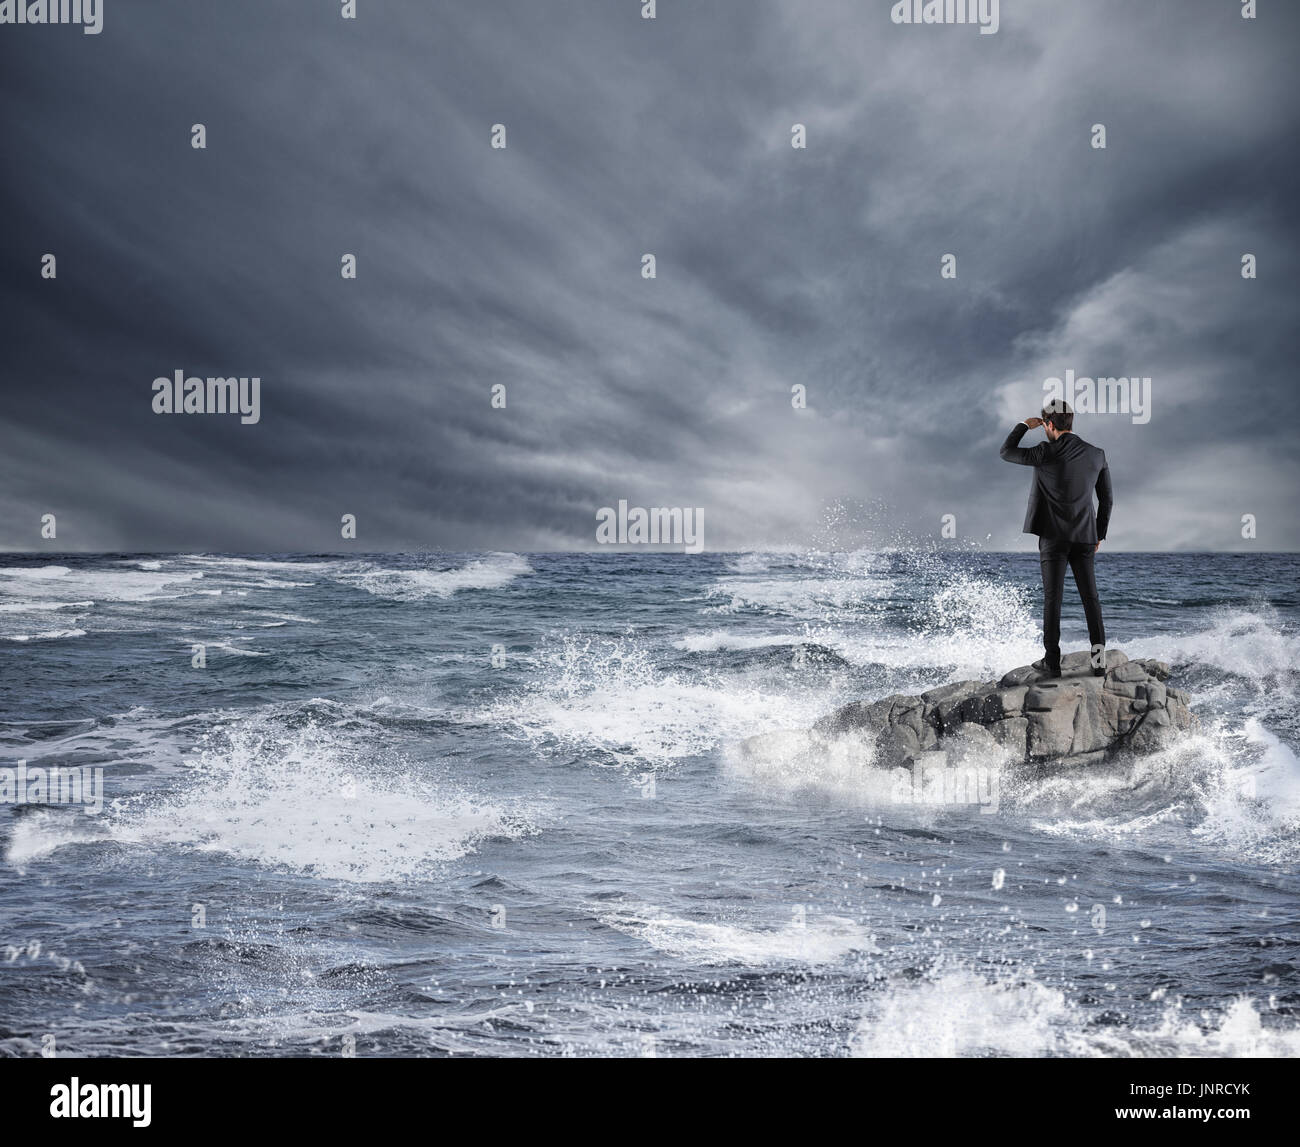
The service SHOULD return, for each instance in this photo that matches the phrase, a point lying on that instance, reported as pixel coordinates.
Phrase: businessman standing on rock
(1066, 472)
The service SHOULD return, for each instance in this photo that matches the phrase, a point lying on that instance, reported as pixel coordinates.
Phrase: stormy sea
(493, 805)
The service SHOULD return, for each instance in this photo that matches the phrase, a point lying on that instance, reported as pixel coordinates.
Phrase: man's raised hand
(1032, 422)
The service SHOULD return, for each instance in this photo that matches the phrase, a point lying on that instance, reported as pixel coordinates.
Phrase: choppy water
(396, 840)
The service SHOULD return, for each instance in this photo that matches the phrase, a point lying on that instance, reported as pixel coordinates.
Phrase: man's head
(1057, 418)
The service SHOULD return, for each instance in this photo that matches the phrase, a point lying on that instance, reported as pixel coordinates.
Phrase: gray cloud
(521, 267)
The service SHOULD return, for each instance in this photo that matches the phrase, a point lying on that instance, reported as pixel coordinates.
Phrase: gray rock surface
(1026, 717)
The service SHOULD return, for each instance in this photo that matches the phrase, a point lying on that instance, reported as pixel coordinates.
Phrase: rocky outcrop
(1026, 717)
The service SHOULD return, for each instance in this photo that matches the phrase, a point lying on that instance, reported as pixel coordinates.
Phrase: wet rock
(1076, 719)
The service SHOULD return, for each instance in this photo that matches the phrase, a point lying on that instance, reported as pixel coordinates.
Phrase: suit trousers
(1053, 556)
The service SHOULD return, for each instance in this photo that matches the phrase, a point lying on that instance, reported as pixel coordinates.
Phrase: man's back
(1067, 471)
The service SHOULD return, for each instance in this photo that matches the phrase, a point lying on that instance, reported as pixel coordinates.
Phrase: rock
(1025, 717)
(869, 716)
(1072, 665)
(897, 745)
(970, 743)
(943, 706)
(1132, 671)
(1012, 733)
(1051, 710)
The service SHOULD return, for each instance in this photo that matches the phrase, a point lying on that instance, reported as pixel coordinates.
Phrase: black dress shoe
(1045, 668)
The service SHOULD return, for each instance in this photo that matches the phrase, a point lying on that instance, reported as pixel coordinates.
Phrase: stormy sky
(521, 266)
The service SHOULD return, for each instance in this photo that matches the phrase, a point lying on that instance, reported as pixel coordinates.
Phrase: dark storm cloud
(521, 267)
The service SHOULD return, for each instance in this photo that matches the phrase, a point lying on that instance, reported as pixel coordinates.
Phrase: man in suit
(1067, 470)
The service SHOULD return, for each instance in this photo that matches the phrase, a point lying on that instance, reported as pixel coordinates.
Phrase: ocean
(494, 805)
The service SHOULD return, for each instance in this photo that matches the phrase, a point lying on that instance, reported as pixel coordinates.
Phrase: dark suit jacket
(1066, 472)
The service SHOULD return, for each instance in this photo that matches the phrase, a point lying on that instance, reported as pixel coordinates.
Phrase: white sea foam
(956, 1013)
(224, 647)
(47, 635)
(40, 833)
(43, 606)
(491, 572)
(34, 573)
(1237, 789)
(1252, 806)
(720, 639)
(1251, 644)
(800, 765)
(794, 762)
(611, 696)
(973, 627)
(220, 561)
(960, 1014)
(22, 619)
(813, 940)
(305, 799)
(812, 598)
(271, 583)
(121, 585)
(810, 585)
(760, 561)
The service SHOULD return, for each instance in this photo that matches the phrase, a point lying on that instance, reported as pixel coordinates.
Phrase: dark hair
(1062, 422)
